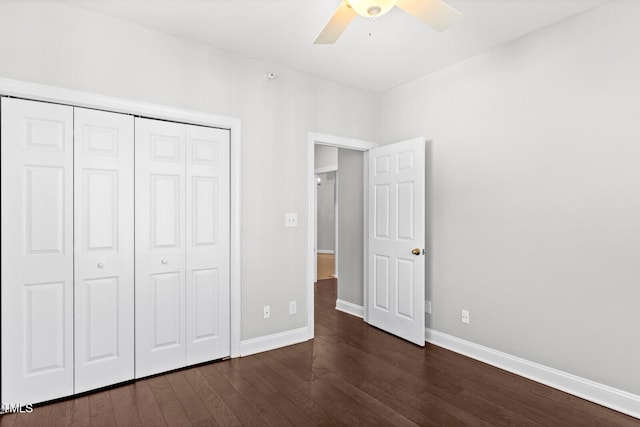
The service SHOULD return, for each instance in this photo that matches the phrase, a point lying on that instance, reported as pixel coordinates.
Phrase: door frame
(339, 142)
(38, 92)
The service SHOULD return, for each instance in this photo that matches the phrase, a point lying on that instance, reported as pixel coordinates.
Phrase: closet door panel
(37, 250)
(104, 254)
(160, 246)
(207, 248)
(165, 305)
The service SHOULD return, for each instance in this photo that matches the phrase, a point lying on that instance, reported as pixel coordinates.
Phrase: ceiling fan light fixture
(374, 10)
(371, 8)
(435, 13)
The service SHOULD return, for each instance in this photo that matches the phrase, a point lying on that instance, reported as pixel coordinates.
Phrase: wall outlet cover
(464, 316)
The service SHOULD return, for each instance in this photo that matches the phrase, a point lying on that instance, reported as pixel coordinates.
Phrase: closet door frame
(37, 92)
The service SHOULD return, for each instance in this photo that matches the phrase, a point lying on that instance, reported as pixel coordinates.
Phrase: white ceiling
(399, 49)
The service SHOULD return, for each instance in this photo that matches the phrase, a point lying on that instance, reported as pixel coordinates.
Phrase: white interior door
(37, 251)
(104, 281)
(159, 246)
(396, 239)
(207, 244)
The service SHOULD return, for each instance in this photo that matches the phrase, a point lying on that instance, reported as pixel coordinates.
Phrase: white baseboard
(601, 394)
(350, 308)
(273, 341)
(326, 251)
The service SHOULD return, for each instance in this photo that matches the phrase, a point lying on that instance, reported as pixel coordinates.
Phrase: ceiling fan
(435, 13)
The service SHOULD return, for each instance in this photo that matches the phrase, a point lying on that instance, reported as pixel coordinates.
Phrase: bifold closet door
(37, 251)
(104, 258)
(182, 245)
(159, 246)
(207, 263)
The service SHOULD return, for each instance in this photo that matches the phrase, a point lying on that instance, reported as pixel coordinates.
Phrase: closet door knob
(165, 261)
(100, 265)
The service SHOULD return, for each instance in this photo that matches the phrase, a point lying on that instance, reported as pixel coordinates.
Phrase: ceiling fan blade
(435, 13)
(336, 25)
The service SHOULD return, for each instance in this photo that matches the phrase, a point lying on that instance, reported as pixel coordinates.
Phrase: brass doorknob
(416, 251)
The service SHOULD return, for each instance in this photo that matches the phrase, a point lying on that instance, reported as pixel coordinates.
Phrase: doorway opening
(341, 164)
(326, 222)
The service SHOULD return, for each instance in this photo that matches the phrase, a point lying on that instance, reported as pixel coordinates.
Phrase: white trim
(338, 141)
(601, 394)
(326, 169)
(40, 92)
(349, 308)
(273, 341)
(235, 262)
(336, 230)
(334, 141)
(326, 251)
(119, 105)
(365, 233)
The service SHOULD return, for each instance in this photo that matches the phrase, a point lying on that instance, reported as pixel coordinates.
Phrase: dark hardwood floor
(350, 374)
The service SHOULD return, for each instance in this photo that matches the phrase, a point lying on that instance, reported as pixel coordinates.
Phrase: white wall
(56, 44)
(536, 193)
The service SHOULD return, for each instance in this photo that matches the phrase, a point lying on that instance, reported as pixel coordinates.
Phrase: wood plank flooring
(350, 374)
(326, 266)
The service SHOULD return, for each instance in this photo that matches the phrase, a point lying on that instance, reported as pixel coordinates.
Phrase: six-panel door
(207, 245)
(396, 239)
(160, 246)
(37, 251)
(104, 268)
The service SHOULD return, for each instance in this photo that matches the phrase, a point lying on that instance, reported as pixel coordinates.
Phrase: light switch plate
(291, 220)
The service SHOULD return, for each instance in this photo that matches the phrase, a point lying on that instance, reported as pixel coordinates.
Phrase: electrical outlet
(266, 312)
(291, 220)
(427, 307)
(465, 316)
(293, 308)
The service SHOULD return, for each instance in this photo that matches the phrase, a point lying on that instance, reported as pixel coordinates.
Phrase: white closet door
(159, 246)
(207, 233)
(104, 282)
(37, 251)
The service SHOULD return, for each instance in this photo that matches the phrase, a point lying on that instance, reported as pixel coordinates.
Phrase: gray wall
(536, 193)
(325, 156)
(326, 212)
(52, 43)
(350, 225)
